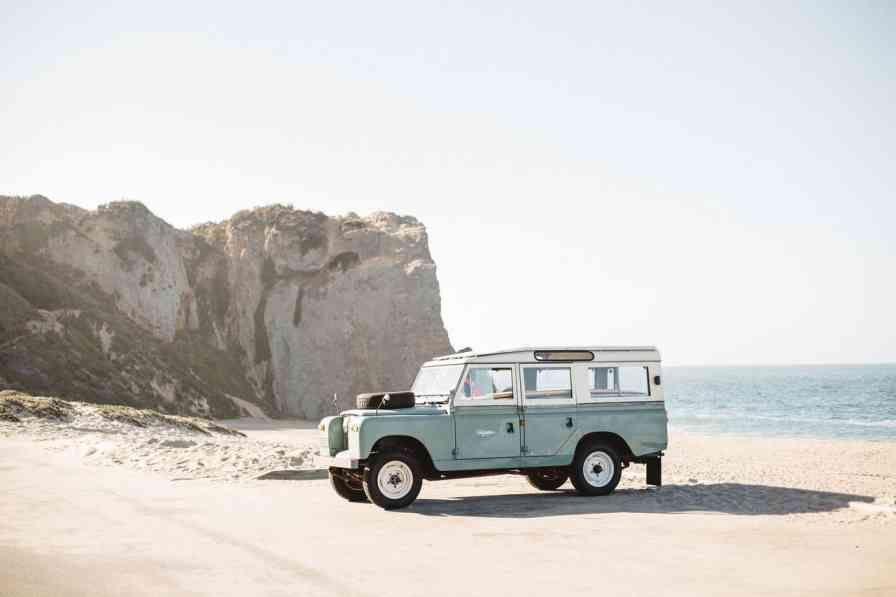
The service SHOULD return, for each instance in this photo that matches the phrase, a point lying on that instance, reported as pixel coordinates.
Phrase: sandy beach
(99, 507)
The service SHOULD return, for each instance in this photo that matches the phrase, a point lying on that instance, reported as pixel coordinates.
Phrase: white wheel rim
(598, 469)
(395, 479)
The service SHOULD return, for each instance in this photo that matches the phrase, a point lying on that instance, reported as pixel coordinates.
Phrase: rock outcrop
(279, 307)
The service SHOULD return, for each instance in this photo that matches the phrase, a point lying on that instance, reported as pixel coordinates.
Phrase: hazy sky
(715, 180)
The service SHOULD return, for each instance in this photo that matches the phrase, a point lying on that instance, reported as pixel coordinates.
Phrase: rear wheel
(596, 469)
(347, 487)
(393, 479)
(547, 480)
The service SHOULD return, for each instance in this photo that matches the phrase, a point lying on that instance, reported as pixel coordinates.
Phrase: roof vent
(564, 355)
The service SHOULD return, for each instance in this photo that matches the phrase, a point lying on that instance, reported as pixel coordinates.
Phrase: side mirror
(656, 380)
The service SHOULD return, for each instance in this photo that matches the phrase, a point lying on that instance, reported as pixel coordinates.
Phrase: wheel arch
(409, 443)
(615, 440)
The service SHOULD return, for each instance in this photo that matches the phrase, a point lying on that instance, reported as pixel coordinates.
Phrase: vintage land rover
(550, 414)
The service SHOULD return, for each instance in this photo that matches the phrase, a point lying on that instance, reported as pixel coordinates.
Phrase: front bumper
(341, 460)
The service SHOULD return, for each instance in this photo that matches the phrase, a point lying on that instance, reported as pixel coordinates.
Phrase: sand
(95, 509)
(177, 451)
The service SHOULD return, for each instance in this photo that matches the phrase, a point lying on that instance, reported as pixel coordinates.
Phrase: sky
(714, 179)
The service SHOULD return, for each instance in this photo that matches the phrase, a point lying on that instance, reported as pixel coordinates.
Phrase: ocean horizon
(849, 401)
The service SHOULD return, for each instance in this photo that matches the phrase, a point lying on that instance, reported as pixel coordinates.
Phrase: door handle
(569, 421)
(509, 427)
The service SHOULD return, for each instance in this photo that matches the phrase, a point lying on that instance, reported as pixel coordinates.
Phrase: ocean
(823, 401)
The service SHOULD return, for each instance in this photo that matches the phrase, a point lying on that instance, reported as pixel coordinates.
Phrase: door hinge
(524, 450)
(522, 422)
(454, 452)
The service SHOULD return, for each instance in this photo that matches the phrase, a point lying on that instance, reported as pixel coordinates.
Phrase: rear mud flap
(655, 471)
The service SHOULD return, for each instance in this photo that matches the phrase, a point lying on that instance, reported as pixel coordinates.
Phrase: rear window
(626, 381)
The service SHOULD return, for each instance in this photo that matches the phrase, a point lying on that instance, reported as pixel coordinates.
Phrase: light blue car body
(526, 430)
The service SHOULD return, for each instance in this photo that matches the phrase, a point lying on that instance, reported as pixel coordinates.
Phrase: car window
(489, 383)
(618, 381)
(436, 382)
(548, 382)
(633, 381)
(603, 380)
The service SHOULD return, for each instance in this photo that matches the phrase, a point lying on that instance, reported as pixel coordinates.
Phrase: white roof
(527, 354)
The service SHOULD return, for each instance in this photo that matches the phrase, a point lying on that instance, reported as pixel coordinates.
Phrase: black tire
(346, 488)
(547, 480)
(596, 455)
(401, 463)
(375, 400)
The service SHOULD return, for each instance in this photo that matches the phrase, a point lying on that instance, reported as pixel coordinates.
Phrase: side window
(488, 384)
(633, 381)
(548, 382)
(618, 381)
(602, 380)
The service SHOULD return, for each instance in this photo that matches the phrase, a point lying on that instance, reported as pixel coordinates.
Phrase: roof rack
(595, 349)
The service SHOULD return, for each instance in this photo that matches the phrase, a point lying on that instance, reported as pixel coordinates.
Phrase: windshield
(436, 383)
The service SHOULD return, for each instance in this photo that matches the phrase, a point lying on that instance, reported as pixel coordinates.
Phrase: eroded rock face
(326, 306)
(305, 305)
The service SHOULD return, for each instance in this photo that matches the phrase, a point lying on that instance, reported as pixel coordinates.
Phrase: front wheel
(547, 480)
(393, 479)
(596, 469)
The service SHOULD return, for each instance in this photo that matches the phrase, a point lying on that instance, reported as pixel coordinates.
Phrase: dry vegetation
(16, 405)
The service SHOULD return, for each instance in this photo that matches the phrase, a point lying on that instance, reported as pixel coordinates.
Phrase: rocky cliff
(275, 307)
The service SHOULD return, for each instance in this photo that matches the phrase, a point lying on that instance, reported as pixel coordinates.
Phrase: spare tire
(375, 400)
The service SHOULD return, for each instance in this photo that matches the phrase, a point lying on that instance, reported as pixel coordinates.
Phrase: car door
(486, 412)
(549, 408)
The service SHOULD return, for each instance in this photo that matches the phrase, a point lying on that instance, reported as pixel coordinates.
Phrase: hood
(418, 410)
